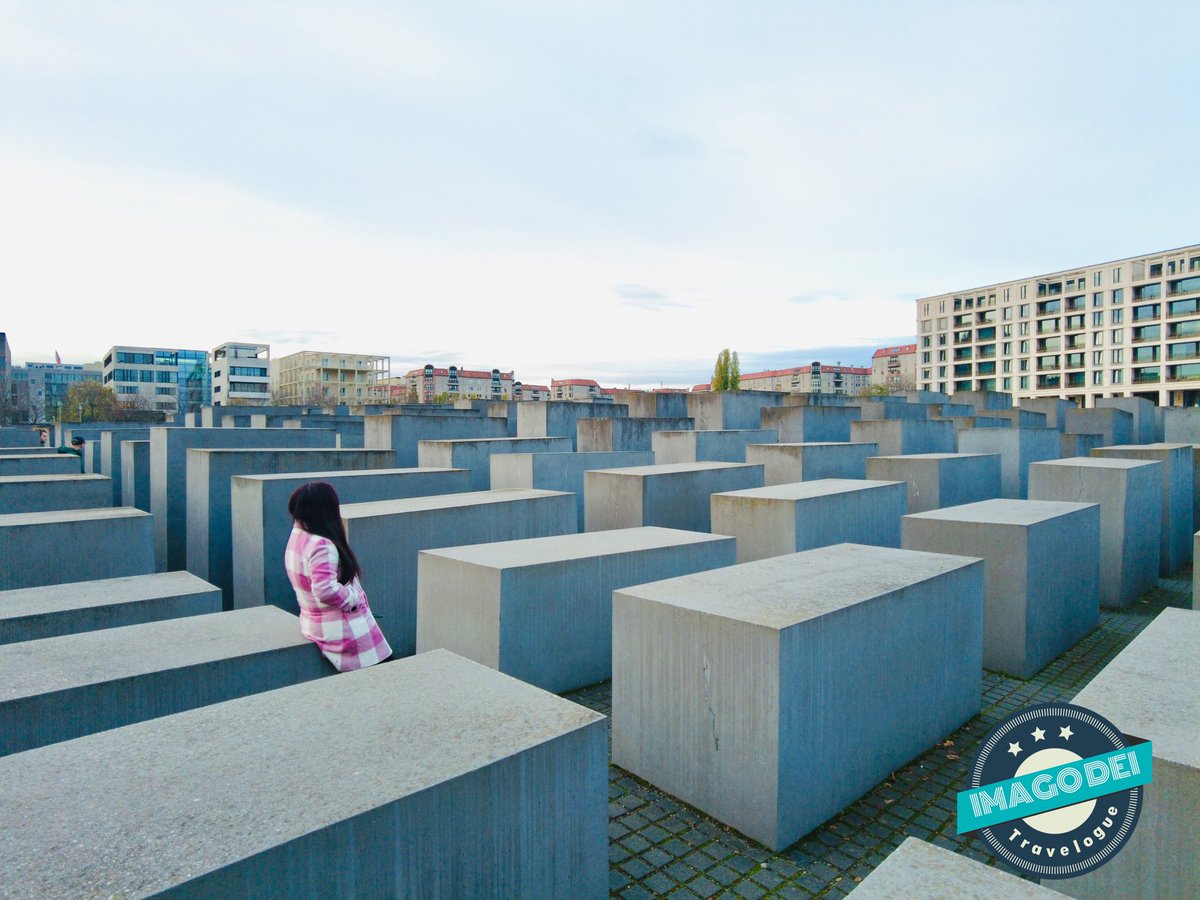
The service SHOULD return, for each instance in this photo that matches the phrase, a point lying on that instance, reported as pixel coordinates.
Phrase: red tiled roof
(807, 370)
(895, 351)
(461, 373)
(578, 382)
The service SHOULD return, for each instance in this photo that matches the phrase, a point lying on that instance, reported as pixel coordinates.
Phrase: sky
(610, 190)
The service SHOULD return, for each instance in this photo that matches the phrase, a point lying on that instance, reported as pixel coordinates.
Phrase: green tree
(734, 379)
(875, 390)
(89, 401)
(720, 379)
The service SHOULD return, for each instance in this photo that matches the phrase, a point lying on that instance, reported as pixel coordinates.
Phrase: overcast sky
(608, 189)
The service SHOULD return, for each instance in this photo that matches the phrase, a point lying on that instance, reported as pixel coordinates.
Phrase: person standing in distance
(324, 572)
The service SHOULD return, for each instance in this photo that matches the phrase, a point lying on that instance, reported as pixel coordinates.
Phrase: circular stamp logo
(1055, 790)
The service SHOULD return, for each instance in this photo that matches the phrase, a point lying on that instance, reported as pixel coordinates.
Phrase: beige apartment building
(315, 377)
(895, 368)
(817, 378)
(1128, 327)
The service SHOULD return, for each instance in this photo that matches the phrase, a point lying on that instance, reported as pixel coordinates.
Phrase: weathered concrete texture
(1017, 418)
(623, 434)
(74, 545)
(1181, 425)
(1035, 607)
(1177, 497)
(1115, 426)
(708, 446)
(402, 433)
(785, 518)
(772, 694)
(670, 496)
(452, 780)
(40, 464)
(541, 609)
(892, 409)
(1130, 496)
(108, 449)
(1018, 449)
(1152, 691)
(787, 463)
(923, 396)
(962, 423)
(562, 471)
(65, 687)
(936, 480)
(820, 399)
(731, 409)
(474, 454)
(896, 437)
(1054, 409)
(38, 493)
(31, 614)
(920, 869)
(350, 429)
(559, 418)
(135, 477)
(1078, 444)
(28, 451)
(261, 524)
(653, 404)
(982, 400)
(20, 436)
(1142, 411)
(811, 424)
(209, 493)
(387, 535)
(168, 475)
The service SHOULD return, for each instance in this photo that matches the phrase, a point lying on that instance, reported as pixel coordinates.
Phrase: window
(941, 356)
(925, 342)
(1006, 314)
(1098, 358)
(1118, 316)
(924, 312)
(1023, 309)
(926, 326)
(1023, 328)
(1156, 270)
(1006, 348)
(1118, 357)
(1116, 376)
(1097, 338)
(1118, 296)
(1008, 384)
(1097, 378)
(1096, 276)
(1098, 299)
(1097, 318)
(1118, 336)
(1116, 278)
(1006, 330)
(1024, 294)
(1024, 382)
(925, 357)
(1023, 365)
(1024, 346)
(941, 306)
(1007, 294)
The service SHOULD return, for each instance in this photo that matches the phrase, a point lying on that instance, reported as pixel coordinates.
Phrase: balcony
(1076, 342)
(1189, 372)
(1075, 304)
(1146, 376)
(1183, 308)
(1050, 326)
(1048, 363)
(1049, 382)
(1146, 333)
(1183, 286)
(1076, 379)
(1049, 308)
(1190, 350)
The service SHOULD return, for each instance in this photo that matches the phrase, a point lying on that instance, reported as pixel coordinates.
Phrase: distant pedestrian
(324, 572)
(76, 447)
(43, 437)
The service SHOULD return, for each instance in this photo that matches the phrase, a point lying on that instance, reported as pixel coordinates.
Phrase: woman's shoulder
(308, 539)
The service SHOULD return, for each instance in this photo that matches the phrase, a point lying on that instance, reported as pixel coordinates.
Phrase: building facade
(42, 386)
(1128, 327)
(428, 383)
(523, 391)
(577, 389)
(319, 377)
(168, 380)
(241, 374)
(817, 378)
(895, 368)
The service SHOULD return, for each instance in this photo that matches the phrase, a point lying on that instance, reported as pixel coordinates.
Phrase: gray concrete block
(982, 400)
(135, 477)
(1018, 449)
(773, 694)
(474, 454)
(670, 496)
(39, 464)
(38, 493)
(895, 409)
(1130, 496)
(74, 545)
(28, 451)
(787, 463)
(1141, 409)
(730, 409)
(1035, 607)
(261, 524)
(896, 437)
(541, 609)
(19, 436)
(1054, 409)
(785, 518)
(559, 418)
(562, 471)
(708, 446)
(402, 433)
(30, 614)
(387, 535)
(1151, 690)
(1177, 497)
(451, 780)
(109, 451)
(811, 424)
(920, 869)
(962, 423)
(1181, 425)
(623, 434)
(168, 475)
(667, 404)
(936, 480)
(65, 687)
(209, 497)
(1115, 426)
(1017, 418)
(1070, 445)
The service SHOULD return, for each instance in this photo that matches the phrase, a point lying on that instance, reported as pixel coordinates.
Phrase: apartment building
(577, 389)
(41, 387)
(169, 380)
(316, 377)
(524, 391)
(817, 378)
(241, 374)
(1128, 327)
(428, 382)
(895, 368)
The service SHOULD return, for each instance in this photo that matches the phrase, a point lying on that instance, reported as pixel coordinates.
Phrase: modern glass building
(163, 379)
(1125, 328)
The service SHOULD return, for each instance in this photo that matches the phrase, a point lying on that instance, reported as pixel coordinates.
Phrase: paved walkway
(659, 846)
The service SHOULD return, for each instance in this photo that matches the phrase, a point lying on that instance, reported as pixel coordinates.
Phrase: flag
(57, 359)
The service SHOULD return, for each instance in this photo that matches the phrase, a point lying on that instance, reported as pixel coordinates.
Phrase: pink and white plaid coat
(334, 616)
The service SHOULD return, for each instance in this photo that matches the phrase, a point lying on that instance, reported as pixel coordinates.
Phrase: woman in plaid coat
(324, 572)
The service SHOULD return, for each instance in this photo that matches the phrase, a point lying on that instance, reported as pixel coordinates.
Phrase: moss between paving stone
(660, 846)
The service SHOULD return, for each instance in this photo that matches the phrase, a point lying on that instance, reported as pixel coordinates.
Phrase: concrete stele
(135, 474)
(469, 784)
(74, 545)
(896, 437)
(474, 454)
(670, 496)
(728, 445)
(919, 869)
(1018, 448)
(936, 480)
(773, 694)
(786, 518)
(787, 463)
(41, 493)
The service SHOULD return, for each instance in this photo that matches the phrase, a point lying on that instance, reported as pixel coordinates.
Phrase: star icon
(1014, 749)
(1065, 732)
(1038, 734)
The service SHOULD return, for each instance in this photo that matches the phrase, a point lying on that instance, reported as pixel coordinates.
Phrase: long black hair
(315, 508)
